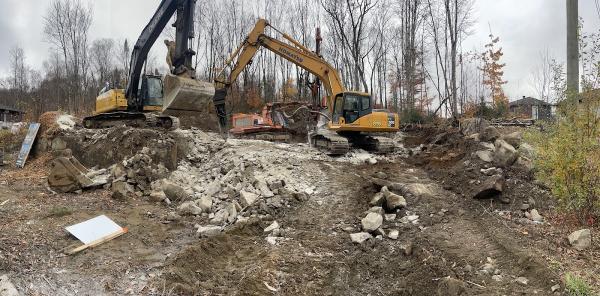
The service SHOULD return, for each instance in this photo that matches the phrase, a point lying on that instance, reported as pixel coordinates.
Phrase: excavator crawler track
(373, 144)
(132, 119)
(330, 143)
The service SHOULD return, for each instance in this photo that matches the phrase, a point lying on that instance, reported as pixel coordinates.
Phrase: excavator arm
(293, 52)
(182, 62)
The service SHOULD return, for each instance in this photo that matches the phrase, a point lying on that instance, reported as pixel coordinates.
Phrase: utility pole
(572, 48)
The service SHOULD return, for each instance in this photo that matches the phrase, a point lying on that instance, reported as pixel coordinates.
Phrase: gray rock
(488, 146)
(208, 231)
(220, 217)
(276, 184)
(189, 208)
(377, 210)
(121, 190)
(393, 234)
(389, 217)
(505, 154)
(205, 203)
(272, 227)
(472, 126)
(213, 188)
(272, 240)
(450, 287)
(360, 237)
(555, 288)
(172, 216)
(485, 155)
(527, 150)
(513, 139)
(535, 216)
(371, 161)
(264, 189)
(489, 171)
(523, 281)
(7, 288)
(371, 222)
(394, 201)
(247, 198)
(231, 212)
(174, 192)
(525, 207)
(157, 196)
(380, 175)
(489, 134)
(525, 163)
(581, 239)
(377, 199)
(497, 278)
(491, 187)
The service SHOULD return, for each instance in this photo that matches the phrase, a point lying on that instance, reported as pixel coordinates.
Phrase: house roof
(11, 109)
(529, 101)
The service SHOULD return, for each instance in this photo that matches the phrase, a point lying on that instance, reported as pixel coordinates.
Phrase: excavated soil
(455, 235)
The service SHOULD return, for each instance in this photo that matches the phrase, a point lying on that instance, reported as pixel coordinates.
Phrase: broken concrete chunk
(276, 184)
(247, 198)
(231, 212)
(220, 217)
(389, 217)
(264, 189)
(205, 203)
(68, 175)
(272, 227)
(491, 187)
(360, 237)
(208, 231)
(581, 239)
(7, 288)
(189, 208)
(505, 154)
(371, 222)
(393, 234)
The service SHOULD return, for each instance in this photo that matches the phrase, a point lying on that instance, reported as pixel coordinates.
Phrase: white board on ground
(94, 229)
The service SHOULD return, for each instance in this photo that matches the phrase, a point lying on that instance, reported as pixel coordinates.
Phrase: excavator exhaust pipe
(186, 94)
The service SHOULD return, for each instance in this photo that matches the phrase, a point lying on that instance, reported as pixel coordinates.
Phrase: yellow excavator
(351, 116)
(146, 96)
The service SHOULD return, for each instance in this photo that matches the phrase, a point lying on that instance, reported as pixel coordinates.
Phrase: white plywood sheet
(94, 229)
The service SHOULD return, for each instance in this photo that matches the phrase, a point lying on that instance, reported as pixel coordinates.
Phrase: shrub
(576, 286)
(568, 158)
(414, 116)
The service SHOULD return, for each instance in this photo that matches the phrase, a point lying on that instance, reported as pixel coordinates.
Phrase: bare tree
(102, 58)
(541, 77)
(350, 19)
(19, 71)
(66, 26)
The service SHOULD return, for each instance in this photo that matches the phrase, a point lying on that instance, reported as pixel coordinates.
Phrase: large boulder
(489, 134)
(581, 239)
(513, 139)
(505, 155)
(472, 126)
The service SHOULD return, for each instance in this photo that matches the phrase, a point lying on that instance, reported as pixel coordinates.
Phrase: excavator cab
(350, 106)
(151, 92)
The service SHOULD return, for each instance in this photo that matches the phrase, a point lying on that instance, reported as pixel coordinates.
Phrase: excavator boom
(351, 114)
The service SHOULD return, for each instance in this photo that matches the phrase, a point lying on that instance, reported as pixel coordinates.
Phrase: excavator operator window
(154, 91)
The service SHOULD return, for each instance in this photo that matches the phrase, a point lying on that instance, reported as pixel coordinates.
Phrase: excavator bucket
(186, 94)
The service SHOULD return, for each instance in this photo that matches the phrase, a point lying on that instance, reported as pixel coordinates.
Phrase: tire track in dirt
(318, 258)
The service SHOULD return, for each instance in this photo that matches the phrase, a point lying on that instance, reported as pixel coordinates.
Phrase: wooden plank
(27, 144)
(98, 241)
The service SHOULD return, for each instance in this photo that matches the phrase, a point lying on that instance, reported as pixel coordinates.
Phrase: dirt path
(453, 238)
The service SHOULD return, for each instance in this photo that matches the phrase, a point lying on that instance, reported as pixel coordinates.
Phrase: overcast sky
(526, 27)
